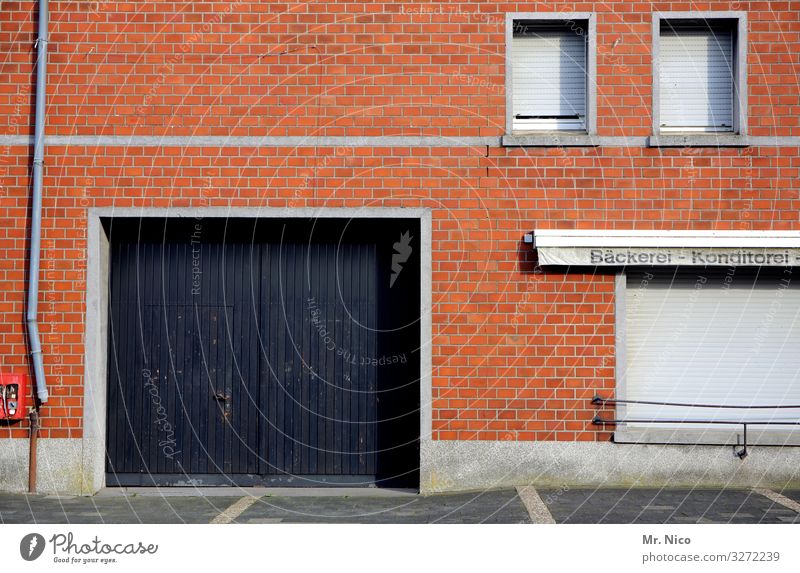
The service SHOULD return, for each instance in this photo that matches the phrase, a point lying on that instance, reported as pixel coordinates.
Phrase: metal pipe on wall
(32, 309)
(36, 207)
(34, 420)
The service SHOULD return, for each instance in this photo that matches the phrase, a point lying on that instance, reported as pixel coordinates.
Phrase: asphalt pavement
(519, 505)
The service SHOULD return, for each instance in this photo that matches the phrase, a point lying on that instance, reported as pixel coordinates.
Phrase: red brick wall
(517, 352)
(346, 68)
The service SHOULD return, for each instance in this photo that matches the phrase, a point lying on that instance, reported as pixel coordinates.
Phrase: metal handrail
(741, 453)
(600, 400)
(597, 420)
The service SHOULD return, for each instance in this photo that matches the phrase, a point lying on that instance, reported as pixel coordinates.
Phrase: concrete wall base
(469, 465)
(62, 464)
(67, 466)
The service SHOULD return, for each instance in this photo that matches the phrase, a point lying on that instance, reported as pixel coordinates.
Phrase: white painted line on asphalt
(778, 498)
(235, 510)
(534, 504)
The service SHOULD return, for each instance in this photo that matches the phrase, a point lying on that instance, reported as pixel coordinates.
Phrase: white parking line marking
(534, 504)
(235, 510)
(778, 498)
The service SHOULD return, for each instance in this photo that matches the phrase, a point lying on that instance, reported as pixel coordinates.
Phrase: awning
(615, 248)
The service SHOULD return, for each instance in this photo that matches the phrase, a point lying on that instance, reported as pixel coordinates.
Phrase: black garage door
(268, 351)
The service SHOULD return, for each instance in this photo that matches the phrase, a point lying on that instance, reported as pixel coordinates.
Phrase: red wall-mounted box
(13, 394)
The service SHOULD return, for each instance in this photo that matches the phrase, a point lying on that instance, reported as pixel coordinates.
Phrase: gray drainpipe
(36, 206)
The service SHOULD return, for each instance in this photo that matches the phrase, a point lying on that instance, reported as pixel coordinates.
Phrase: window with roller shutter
(549, 75)
(699, 74)
(697, 79)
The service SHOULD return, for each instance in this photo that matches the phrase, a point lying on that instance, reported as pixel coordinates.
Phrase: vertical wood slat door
(246, 358)
(183, 377)
(321, 320)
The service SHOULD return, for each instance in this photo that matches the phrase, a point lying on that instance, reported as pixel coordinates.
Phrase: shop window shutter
(731, 340)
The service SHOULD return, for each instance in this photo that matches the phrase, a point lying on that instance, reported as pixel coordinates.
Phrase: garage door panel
(242, 276)
(712, 337)
(320, 408)
(170, 401)
(268, 344)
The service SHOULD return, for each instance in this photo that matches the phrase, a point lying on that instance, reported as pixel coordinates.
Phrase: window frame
(591, 73)
(738, 21)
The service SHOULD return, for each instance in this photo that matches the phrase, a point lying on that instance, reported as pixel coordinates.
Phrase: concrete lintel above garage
(616, 248)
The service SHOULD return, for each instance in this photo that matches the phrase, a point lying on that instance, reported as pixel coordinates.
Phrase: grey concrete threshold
(254, 492)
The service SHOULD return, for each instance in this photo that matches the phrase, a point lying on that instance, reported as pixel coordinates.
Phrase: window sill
(698, 140)
(708, 435)
(550, 139)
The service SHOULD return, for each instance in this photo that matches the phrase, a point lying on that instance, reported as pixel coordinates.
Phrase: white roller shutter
(549, 79)
(733, 340)
(696, 80)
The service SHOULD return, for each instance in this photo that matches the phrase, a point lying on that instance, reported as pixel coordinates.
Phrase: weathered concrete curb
(469, 465)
